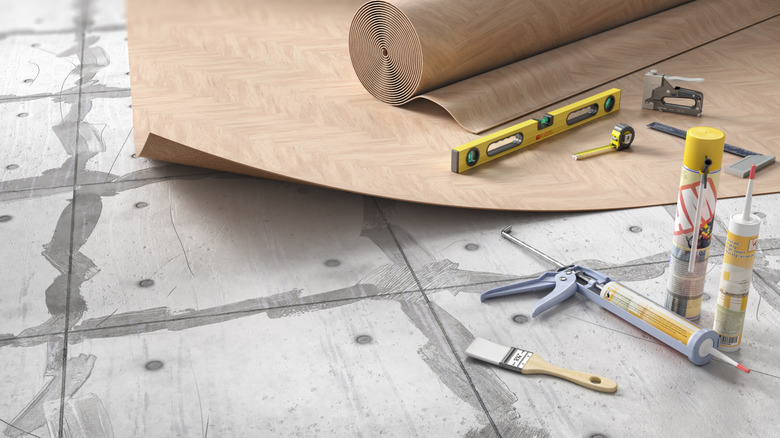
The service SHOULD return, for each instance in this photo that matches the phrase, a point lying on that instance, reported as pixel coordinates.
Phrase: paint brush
(526, 362)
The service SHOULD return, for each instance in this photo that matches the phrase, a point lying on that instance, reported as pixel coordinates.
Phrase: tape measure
(622, 137)
(490, 147)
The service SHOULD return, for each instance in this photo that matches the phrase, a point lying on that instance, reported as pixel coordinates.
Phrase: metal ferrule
(516, 359)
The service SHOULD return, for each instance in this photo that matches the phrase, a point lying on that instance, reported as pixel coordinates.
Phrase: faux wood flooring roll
(403, 48)
(266, 88)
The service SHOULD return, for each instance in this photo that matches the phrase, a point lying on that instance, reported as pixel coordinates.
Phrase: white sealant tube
(736, 274)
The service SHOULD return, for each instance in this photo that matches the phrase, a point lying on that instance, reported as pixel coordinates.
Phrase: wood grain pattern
(526, 85)
(401, 48)
(537, 365)
(269, 90)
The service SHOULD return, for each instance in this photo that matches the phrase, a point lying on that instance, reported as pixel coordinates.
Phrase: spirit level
(490, 147)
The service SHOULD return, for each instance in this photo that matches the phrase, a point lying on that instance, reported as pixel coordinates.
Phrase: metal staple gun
(658, 89)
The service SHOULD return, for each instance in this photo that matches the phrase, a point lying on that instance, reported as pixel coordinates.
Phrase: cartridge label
(737, 271)
(729, 324)
(688, 197)
(740, 252)
(683, 283)
(685, 306)
(735, 303)
(649, 312)
(684, 289)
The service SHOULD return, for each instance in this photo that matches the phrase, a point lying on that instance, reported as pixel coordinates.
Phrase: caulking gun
(697, 343)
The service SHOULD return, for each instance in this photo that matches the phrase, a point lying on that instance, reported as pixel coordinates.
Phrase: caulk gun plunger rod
(506, 233)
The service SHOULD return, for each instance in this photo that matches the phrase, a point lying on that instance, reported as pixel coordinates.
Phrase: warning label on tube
(649, 312)
(686, 206)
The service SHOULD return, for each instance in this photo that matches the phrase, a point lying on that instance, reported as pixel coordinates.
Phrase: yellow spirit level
(490, 147)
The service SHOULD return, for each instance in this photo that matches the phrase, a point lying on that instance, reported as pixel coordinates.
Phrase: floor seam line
(213, 315)
(83, 17)
(31, 32)
(386, 221)
(57, 95)
(238, 312)
(90, 184)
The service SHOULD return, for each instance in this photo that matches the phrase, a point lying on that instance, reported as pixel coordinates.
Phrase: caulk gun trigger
(562, 284)
(544, 282)
(565, 287)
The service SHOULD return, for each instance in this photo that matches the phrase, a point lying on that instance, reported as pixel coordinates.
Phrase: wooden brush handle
(537, 365)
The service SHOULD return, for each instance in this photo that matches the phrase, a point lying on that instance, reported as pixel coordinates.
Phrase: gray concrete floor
(139, 298)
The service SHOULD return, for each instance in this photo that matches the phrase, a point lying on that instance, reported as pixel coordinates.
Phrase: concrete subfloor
(140, 298)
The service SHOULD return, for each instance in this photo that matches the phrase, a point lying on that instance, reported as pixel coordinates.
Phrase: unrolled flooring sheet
(269, 89)
(477, 61)
(401, 48)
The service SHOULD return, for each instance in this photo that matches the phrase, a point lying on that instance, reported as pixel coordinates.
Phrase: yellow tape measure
(490, 147)
(622, 137)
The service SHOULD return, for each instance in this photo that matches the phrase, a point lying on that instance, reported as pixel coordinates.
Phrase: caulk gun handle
(562, 285)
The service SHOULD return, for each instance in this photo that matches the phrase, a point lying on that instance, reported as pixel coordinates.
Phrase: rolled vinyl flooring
(270, 90)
